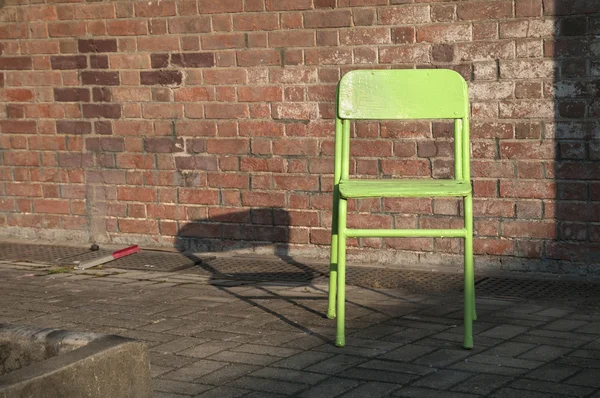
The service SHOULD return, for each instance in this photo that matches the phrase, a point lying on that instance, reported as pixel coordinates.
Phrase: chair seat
(403, 188)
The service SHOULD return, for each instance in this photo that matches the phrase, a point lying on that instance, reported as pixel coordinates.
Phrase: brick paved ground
(271, 340)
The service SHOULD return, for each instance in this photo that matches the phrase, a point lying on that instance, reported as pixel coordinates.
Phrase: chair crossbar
(405, 233)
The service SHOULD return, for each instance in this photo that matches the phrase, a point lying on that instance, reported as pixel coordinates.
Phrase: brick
(284, 5)
(101, 94)
(259, 58)
(444, 33)
(226, 111)
(127, 27)
(100, 78)
(73, 127)
(260, 94)
(222, 41)
(404, 54)
(129, 61)
(72, 94)
(15, 63)
(110, 111)
(253, 22)
(403, 35)
(162, 77)
(484, 10)
(364, 36)
(328, 19)
(193, 60)
(192, 94)
(404, 15)
(224, 76)
(291, 39)
(188, 25)
(155, 9)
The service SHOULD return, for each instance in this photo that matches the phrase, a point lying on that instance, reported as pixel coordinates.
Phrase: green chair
(397, 95)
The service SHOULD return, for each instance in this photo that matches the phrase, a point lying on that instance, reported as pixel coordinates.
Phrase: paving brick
(512, 393)
(207, 349)
(407, 353)
(553, 372)
(545, 353)
(239, 357)
(442, 380)
(227, 373)
(378, 375)
(280, 352)
(409, 368)
(171, 360)
(194, 371)
(490, 369)
(177, 345)
(443, 357)
(509, 349)
(302, 360)
(482, 384)
(504, 331)
(548, 387)
(587, 377)
(350, 349)
(223, 392)
(565, 325)
(372, 390)
(295, 376)
(593, 328)
(335, 364)
(408, 335)
(267, 385)
(178, 387)
(505, 361)
(417, 392)
(329, 388)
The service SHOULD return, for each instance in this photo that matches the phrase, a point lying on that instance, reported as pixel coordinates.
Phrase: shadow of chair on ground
(257, 228)
(263, 228)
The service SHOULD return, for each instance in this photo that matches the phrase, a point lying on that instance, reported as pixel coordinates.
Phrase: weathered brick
(100, 78)
(73, 127)
(193, 60)
(71, 94)
(15, 63)
(162, 77)
(97, 45)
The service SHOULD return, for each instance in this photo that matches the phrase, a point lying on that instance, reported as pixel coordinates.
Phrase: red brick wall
(124, 121)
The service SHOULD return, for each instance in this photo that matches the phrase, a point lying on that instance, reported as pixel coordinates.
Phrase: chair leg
(333, 256)
(340, 338)
(333, 274)
(469, 290)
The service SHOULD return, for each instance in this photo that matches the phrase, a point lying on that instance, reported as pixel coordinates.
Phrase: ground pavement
(272, 339)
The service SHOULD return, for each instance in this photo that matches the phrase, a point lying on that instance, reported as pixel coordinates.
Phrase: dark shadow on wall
(576, 133)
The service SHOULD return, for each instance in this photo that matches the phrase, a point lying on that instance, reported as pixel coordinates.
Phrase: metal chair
(400, 94)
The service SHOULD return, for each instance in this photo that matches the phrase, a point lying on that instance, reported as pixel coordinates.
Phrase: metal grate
(254, 269)
(538, 289)
(42, 254)
(154, 261)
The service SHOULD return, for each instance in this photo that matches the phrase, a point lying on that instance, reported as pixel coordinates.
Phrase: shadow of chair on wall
(251, 229)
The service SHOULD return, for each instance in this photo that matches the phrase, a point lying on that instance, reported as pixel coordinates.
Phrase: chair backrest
(402, 94)
(405, 94)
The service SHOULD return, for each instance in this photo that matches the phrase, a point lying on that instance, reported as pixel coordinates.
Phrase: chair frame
(345, 112)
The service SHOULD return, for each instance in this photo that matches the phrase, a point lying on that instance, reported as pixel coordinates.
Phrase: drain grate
(253, 269)
(42, 254)
(68, 256)
(265, 269)
(537, 289)
(154, 261)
